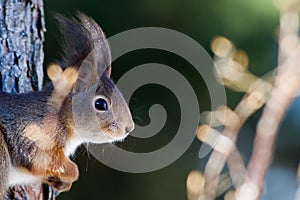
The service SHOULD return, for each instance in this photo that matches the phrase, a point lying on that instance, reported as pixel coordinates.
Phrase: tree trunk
(22, 28)
(21, 50)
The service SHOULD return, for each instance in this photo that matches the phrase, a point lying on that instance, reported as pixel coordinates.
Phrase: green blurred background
(250, 25)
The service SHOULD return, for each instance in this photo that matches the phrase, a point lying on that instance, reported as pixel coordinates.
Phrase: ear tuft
(81, 37)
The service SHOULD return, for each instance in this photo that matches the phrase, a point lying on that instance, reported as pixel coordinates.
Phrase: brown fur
(4, 166)
(38, 130)
(63, 82)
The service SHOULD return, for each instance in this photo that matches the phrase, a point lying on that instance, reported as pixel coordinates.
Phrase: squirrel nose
(129, 128)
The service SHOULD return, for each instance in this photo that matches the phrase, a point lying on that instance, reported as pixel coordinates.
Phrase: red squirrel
(38, 130)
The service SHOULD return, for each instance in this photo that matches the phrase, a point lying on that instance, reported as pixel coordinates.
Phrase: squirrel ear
(102, 60)
(98, 60)
(87, 75)
(99, 44)
(86, 47)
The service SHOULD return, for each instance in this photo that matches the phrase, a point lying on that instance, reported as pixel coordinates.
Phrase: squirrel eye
(101, 104)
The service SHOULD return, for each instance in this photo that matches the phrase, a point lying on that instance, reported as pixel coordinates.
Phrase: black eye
(101, 104)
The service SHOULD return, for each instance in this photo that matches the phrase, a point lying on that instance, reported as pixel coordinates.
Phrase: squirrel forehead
(106, 86)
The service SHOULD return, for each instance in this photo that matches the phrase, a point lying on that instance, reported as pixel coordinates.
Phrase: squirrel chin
(116, 137)
(72, 145)
(75, 142)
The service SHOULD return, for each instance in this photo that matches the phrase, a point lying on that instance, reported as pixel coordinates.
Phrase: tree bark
(22, 28)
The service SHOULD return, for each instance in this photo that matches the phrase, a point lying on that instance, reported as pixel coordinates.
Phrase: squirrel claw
(57, 184)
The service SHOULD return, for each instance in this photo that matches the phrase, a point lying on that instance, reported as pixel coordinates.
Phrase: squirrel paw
(62, 175)
(58, 184)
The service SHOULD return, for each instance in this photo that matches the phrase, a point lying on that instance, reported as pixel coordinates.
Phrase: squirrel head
(98, 110)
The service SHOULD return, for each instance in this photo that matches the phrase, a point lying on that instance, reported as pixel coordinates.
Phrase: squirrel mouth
(116, 135)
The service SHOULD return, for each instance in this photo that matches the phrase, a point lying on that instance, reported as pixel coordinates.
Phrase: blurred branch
(257, 91)
(298, 190)
(277, 91)
(285, 88)
(234, 120)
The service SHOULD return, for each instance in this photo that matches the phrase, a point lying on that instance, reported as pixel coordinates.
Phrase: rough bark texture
(22, 28)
